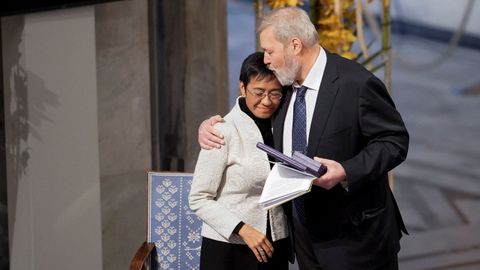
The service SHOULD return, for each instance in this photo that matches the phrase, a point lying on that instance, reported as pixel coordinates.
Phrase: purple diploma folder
(298, 161)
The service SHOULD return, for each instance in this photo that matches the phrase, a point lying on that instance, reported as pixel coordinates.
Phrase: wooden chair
(173, 230)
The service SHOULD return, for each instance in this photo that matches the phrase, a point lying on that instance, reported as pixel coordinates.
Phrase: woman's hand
(257, 242)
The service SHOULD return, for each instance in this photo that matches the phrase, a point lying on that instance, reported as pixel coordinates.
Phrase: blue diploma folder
(298, 161)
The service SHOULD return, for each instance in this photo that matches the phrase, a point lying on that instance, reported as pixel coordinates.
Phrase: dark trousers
(310, 257)
(220, 255)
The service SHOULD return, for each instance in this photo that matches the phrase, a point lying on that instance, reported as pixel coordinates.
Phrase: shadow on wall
(25, 99)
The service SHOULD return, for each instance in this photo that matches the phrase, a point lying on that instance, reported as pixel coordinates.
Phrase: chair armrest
(143, 252)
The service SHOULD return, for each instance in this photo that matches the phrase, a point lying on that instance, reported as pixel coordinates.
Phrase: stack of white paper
(284, 184)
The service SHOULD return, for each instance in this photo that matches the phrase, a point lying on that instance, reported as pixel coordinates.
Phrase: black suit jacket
(355, 122)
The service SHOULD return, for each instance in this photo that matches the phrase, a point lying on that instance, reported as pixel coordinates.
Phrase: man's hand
(334, 175)
(209, 137)
(257, 242)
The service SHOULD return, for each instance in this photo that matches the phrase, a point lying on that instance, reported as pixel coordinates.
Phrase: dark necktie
(299, 129)
(299, 140)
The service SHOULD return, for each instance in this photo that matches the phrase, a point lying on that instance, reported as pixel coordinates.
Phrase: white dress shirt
(312, 82)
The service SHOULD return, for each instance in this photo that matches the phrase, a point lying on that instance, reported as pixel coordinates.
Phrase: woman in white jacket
(227, 183)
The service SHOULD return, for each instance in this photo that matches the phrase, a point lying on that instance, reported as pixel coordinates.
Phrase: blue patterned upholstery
(172, 226)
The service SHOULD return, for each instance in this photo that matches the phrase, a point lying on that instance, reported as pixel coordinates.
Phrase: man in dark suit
(341, 114)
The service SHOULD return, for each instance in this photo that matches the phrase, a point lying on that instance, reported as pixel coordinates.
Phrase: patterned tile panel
(172, 226)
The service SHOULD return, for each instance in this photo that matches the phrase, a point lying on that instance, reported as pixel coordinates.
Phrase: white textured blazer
(227, 183)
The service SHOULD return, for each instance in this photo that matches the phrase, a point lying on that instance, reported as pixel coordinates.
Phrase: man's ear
(242, 88)
(296, 45)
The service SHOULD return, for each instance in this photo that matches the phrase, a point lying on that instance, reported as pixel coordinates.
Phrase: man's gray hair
(290, 22)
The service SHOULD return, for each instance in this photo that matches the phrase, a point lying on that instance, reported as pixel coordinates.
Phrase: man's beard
(287, 75)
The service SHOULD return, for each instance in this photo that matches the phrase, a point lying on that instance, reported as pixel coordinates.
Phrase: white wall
(52, 140)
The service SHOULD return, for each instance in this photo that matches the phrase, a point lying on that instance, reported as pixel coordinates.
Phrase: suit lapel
(325, 99)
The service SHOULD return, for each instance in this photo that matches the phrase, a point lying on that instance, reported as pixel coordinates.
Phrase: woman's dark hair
(254, 67)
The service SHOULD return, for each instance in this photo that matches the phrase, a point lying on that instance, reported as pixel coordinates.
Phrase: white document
(284, 184)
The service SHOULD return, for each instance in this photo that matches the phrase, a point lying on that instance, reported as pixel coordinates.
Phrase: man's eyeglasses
(260, 94)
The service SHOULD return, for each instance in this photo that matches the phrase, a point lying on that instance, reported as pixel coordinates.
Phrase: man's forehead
(267, 38)
(267, 32)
